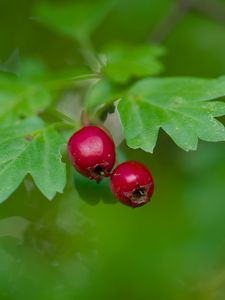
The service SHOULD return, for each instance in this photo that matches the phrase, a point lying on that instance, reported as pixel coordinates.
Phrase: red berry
(92, 152)
(132, 183)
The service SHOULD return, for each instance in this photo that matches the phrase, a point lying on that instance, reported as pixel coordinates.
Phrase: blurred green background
(87, 246)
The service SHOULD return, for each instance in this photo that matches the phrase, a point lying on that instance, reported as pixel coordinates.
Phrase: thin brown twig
(166, 26)
(179, 10)
(212, 9)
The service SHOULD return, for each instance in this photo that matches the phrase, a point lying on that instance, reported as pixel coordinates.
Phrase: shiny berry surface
(132, 183)
(92, 152)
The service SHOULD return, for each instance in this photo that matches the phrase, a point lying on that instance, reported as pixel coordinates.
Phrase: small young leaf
(29, 147)
(101, 94)
(129, 62)
(178, 105)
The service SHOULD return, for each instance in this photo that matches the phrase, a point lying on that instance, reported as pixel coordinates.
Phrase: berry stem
(84, 118)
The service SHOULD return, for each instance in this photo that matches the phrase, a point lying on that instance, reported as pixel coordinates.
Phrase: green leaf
(31, 148)
(32, 69)
(100, 95)
(23, 96)
(21, 100)
(76, 20)
(180, 106)
(91, 192)
(126, 62)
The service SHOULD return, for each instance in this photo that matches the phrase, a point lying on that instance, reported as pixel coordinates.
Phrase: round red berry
(132, 183)
(92, 152)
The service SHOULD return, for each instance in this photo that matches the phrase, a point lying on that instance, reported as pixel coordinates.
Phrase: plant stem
(84, 118)
(63, 125)
(60, 115)
(62, 83)
(90, 55)
(85, 76)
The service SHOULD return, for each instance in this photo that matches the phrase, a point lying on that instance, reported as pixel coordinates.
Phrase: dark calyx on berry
(98, 172)
(132, 183)
(139, 196)
(92, 152)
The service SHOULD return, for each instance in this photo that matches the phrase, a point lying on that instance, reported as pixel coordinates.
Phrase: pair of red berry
(92, 152)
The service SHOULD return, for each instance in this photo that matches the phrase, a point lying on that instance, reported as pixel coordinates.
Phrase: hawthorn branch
(180, 9)
(174, 17)
(212, 9)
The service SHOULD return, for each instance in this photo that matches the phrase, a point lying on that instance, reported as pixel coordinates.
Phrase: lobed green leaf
(31, 148)
(180, 106)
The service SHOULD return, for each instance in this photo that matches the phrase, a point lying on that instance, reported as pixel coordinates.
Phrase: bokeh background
(84, 245)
